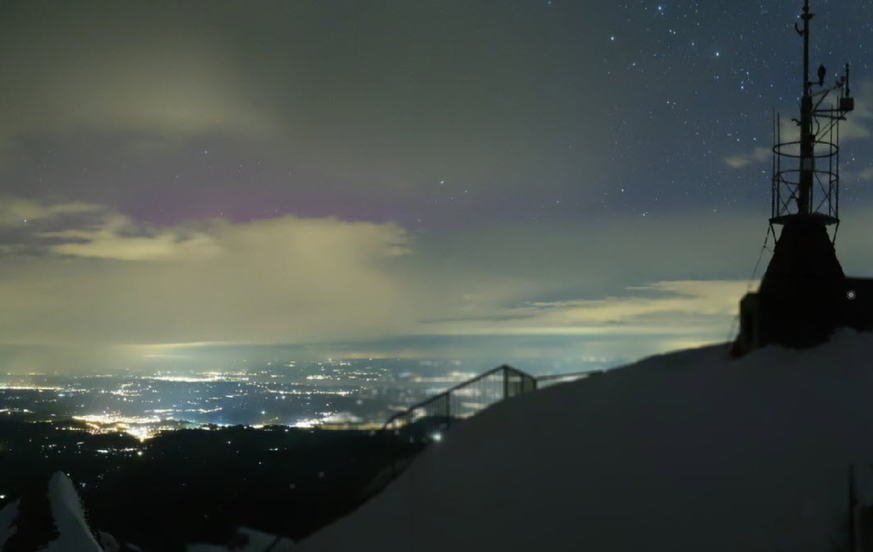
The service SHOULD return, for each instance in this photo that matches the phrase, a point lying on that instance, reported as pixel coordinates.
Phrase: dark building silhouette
(804, 295)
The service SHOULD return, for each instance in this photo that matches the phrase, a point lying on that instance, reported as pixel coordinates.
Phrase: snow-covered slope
(65, 515)
(251, 541)
(686, 451)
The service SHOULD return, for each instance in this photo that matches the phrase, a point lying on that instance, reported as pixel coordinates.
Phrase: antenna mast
(807, 139)
(809, 188)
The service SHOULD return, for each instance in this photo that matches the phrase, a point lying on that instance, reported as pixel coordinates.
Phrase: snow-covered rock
(107, 542)
(73, 530)
(686, 451)
(64, 524)
(8, 516)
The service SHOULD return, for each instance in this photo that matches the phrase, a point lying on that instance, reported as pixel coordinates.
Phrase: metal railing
(548, 381)
(425, 421)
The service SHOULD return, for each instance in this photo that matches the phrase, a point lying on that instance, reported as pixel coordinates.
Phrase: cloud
(117, 239)
(740, 160)
(276, 280)
(14, 211)
(680, 308)
(855, 127)
(622, 287)
(184, 83)
(293, 280)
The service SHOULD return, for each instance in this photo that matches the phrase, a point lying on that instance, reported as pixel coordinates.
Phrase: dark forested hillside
(200, 484)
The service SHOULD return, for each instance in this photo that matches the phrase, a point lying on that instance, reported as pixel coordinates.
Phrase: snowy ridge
(685, 451)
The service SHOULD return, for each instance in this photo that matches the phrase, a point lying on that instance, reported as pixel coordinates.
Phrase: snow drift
(686, 451)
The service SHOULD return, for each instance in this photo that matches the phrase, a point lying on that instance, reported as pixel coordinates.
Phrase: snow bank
(686, 451)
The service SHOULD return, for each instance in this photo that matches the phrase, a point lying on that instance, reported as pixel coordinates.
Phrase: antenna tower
(804, 295)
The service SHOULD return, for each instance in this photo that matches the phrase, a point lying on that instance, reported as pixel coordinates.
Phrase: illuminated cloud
(120, 239)
(740, 160)
(661, 308)
(152, 291)
(274, 280)
(15, 211)
(123, 294)
(143, 291)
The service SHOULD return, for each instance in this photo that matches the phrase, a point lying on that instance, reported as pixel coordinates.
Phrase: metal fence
(426, 421)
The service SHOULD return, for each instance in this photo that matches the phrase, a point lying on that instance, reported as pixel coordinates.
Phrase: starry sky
(192, 182)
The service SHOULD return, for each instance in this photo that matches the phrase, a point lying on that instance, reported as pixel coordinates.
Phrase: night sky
(195, 182)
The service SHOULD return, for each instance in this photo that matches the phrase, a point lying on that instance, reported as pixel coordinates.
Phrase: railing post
(505, 382)
(854, 545)
(448, 409)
